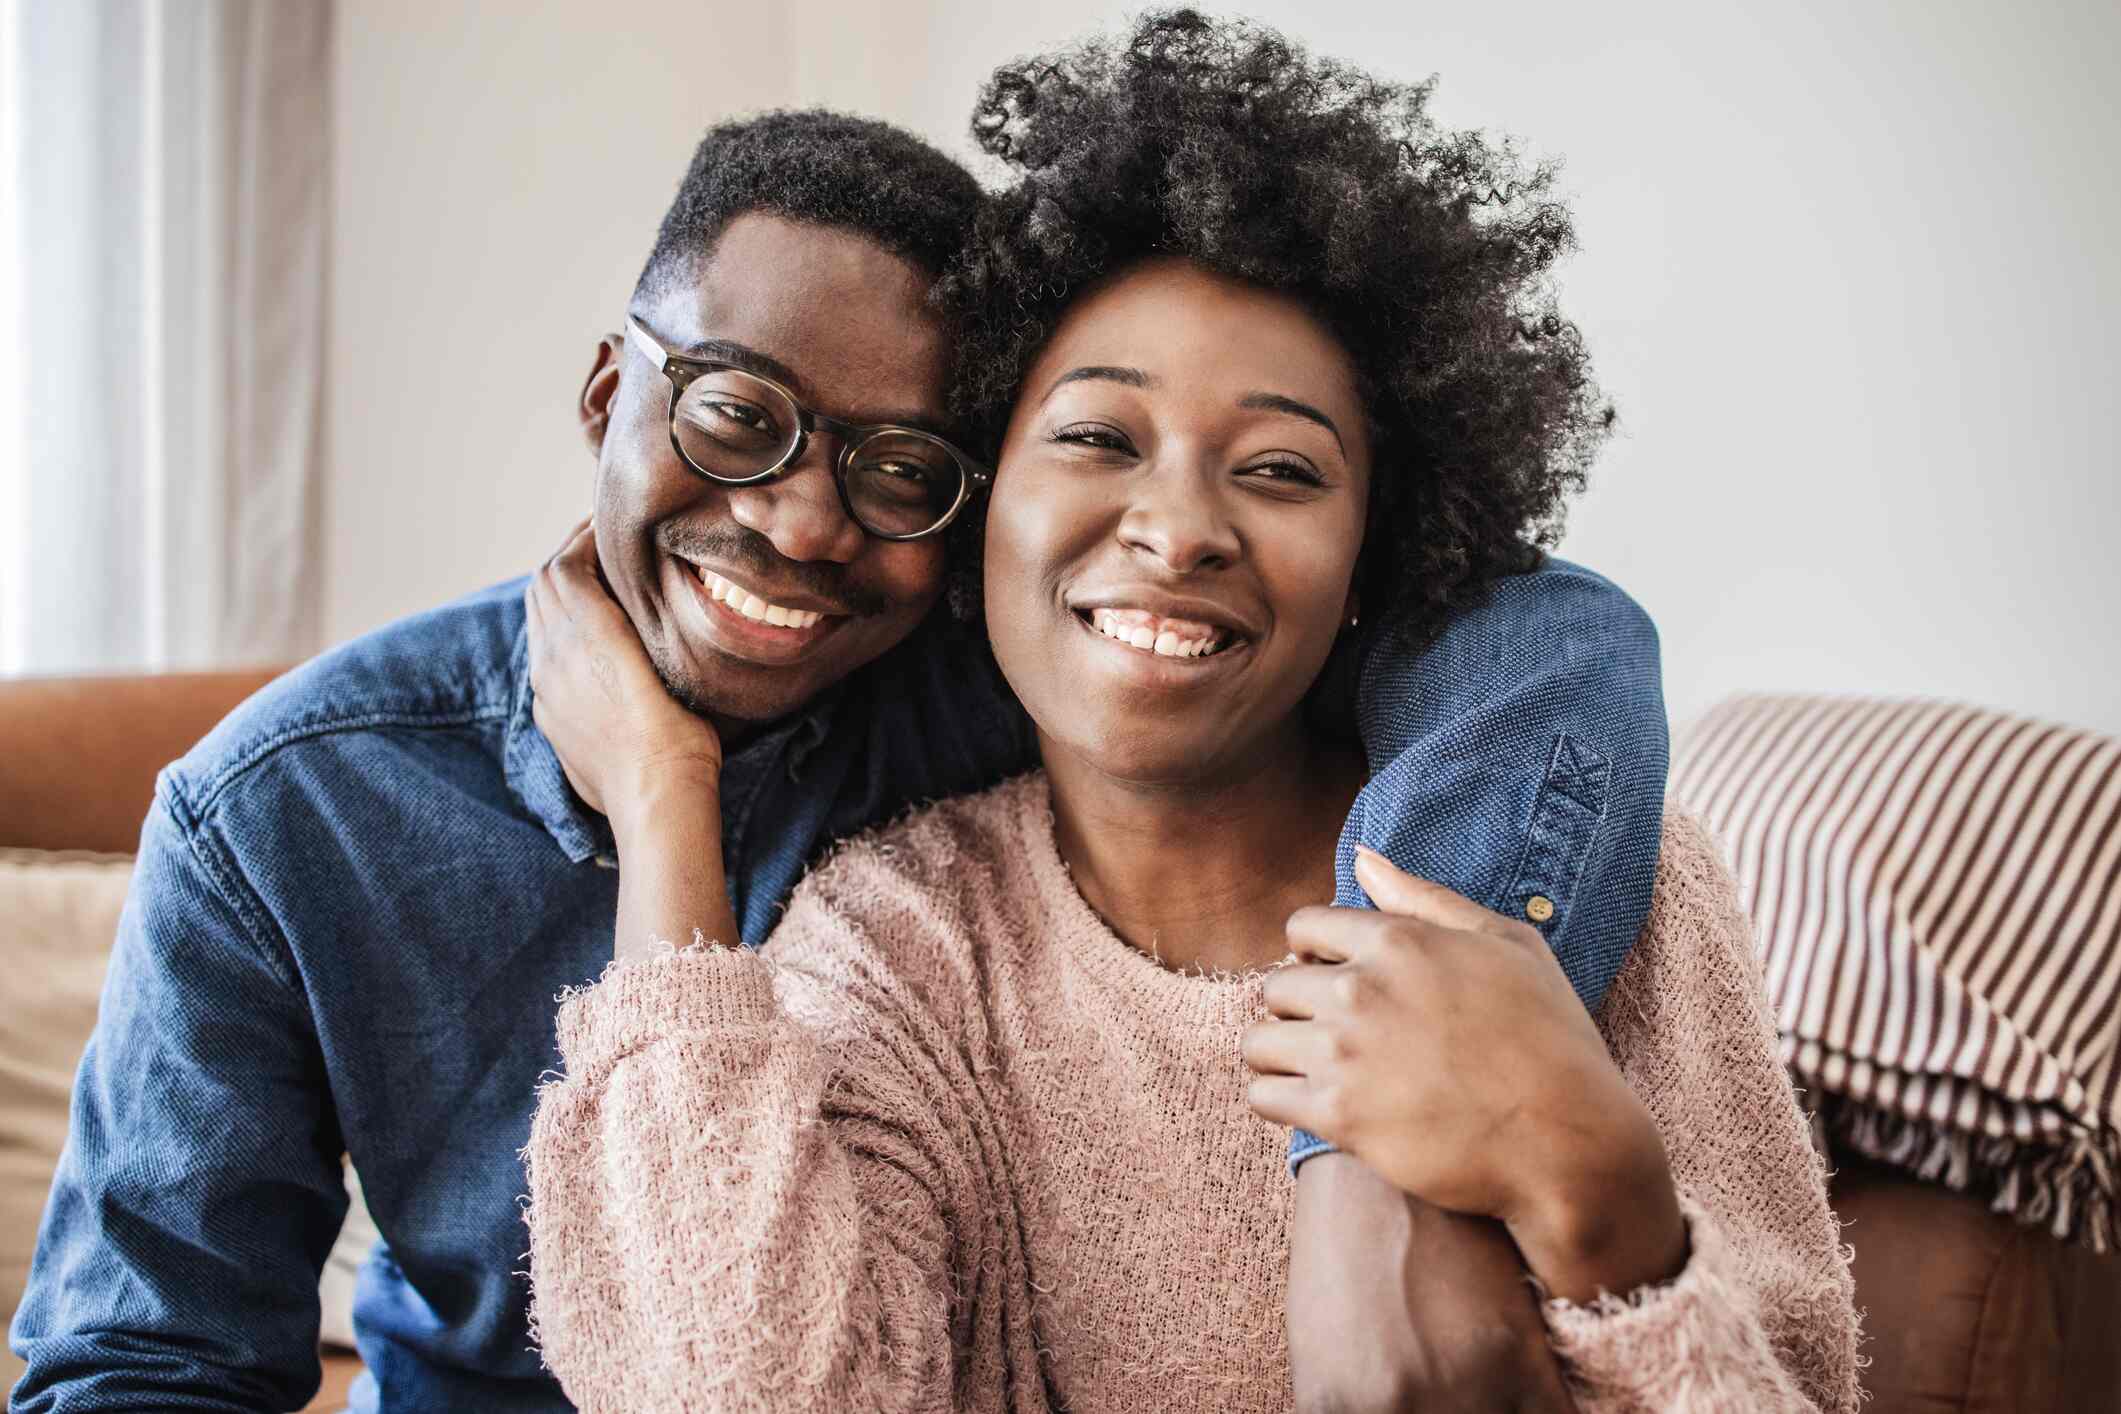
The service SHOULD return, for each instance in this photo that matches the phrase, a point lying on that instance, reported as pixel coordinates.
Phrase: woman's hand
(619, 734)
(653, 768)
(1441, 1044)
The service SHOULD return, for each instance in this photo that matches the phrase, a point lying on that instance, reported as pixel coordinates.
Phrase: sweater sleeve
(1763, 1316)
(759, 1186)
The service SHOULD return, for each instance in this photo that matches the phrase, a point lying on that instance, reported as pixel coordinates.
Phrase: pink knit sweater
(952, 1145)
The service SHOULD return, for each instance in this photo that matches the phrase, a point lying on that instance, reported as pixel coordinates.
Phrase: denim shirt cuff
(1303, 1144)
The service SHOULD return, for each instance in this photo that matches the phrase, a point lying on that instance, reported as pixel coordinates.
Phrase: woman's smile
(1148, 649)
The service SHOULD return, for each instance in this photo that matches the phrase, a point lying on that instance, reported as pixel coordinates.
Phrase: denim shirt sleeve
(200, 1188)
(1520, 760)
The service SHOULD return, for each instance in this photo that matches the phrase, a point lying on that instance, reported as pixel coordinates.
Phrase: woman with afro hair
(999, 1120)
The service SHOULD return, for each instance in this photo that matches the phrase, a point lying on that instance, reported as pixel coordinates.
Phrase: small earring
(1354, 619)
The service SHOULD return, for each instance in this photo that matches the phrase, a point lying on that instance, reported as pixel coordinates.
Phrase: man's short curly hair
(831, 169)
(1424, 249)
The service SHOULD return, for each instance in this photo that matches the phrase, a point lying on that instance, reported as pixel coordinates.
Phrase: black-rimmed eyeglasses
(737, 428)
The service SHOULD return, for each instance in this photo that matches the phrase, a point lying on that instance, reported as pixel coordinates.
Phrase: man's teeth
(1165, 638)
(752, 607)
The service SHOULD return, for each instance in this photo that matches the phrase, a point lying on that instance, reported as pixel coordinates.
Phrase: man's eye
(743, 414)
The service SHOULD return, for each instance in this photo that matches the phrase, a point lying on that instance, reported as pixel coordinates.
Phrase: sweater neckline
(1209, 1000)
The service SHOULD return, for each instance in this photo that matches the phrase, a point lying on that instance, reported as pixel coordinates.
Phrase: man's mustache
(734, 548)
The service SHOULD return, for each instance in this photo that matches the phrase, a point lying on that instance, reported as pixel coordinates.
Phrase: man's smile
(755, 607)
(746, 624)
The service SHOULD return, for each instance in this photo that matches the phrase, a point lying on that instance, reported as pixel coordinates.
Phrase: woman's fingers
(1304, 990)
(1325, 934)
(1285, 1048)
(573, 570)
(1283, 1099)
(1396, 891)
(574, 533)
(536, 613)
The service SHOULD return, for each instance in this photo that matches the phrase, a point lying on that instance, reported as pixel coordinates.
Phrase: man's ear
(599, 390)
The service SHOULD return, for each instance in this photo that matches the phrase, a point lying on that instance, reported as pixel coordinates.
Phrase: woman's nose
(800, 510)
(1177, 516)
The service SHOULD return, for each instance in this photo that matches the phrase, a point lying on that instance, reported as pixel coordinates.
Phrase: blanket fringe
(2067, 1188)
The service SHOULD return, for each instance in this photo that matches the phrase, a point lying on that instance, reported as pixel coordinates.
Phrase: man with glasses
(356, 901)
(739, 427)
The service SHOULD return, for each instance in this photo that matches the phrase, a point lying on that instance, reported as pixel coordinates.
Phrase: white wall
(499, 174)
(1847, 268)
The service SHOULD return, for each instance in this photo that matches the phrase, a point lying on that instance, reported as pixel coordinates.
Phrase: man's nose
(1176, 513)
(800, 510)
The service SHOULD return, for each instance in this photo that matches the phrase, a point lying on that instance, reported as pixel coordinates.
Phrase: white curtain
(164, 192)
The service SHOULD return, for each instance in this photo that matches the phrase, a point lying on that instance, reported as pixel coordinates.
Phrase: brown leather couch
(1966, 1312)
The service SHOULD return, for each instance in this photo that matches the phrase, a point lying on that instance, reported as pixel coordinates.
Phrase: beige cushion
(58, 914)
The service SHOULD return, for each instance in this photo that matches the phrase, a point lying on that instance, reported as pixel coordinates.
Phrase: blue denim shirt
(357, 898)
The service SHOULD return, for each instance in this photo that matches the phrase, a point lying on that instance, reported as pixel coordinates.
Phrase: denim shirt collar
(538, 780)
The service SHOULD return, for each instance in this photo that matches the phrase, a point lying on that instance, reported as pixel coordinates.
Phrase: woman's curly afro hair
(1425, 250)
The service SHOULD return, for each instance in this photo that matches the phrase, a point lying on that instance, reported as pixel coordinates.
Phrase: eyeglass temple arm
(647, 342)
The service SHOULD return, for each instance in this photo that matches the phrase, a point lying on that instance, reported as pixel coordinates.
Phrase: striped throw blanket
(1936, 892)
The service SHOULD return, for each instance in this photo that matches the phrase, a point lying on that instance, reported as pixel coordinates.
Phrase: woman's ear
(599, 390)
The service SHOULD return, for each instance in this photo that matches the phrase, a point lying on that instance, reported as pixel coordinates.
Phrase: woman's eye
(1292, 473)
(1092, 434)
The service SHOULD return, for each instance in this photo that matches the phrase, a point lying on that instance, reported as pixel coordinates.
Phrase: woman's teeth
(1166, 638)
(752, 607)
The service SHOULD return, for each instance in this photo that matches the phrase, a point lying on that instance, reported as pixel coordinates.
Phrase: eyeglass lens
(735, 427)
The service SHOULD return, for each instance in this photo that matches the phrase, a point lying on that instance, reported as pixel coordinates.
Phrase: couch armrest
(1969, 1312)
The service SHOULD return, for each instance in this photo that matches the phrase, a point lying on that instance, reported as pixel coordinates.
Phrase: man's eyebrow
(767, 366)
(745, 357)
(1132, 377)
(1276, 402)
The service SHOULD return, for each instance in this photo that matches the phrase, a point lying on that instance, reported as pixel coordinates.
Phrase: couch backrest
(78, 756)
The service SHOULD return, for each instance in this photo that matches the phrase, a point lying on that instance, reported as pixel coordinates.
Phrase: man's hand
(1397, 1305)
(619, 734)
(1440, 1043)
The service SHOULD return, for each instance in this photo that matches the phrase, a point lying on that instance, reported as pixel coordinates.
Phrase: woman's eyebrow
(1132, 377)
(1136, 378)
(1277, 402)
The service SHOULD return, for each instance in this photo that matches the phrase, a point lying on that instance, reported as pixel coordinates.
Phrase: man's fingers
(1284, 1099)
(1394, 890)
(1285, 1047)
